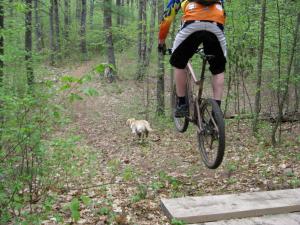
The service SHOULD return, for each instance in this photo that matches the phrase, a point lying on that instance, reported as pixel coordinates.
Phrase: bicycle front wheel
(211, 133)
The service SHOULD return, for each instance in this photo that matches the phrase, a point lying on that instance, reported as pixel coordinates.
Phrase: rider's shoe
(181, 110)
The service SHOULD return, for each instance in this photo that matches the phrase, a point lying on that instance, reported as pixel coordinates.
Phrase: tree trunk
(259, 66)
(279, 83)
(92, 6)
(297, 71)
(57, 28)
(142, 40)
(109, 39)
(28, 43)
(172, 97)
(151, 32)
(1, 67)
(1, 43)
(38, 27)
(122, 16)
(78, 9)
(51, 34)
(140, 32)
(11, 11)
(160, 109)
(83, 30)
(66, 20)
(119, 18)
(287, 82)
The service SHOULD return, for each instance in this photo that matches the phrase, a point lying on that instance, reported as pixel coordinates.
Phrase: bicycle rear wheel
(211, 138)
(181, 124)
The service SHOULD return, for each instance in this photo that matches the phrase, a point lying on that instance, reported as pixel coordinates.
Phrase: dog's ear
(129, 121)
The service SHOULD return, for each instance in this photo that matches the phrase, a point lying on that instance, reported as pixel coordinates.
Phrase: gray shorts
(201, 26)
(191, 36)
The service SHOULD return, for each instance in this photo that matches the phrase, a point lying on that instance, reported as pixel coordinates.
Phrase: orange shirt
(192, 11)
(196, 11)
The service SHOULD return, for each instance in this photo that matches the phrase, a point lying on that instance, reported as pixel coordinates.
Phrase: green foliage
(232, 180)
(104, 211)
(25, 120)
(100, 69)
(114, 166)
(48, 203)
(231, 167)
(74, 207)
(141, 193)
(175, 221)
(124, 37)
(75, 89)
(129, 173)
(298, 156)
(157, 185)
(31, 153)
(86, 200)
(169, 180)
(28, 151)
(295, 182)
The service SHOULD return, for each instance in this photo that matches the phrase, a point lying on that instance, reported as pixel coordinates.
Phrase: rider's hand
(162, 48)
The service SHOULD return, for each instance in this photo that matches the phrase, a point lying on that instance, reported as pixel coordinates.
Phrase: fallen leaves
(167, 165)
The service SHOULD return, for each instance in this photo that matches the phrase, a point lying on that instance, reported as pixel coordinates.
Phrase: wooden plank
(224, 207)
(281, 219)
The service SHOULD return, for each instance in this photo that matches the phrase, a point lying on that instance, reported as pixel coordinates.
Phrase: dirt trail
(167, 165)
(83, 69)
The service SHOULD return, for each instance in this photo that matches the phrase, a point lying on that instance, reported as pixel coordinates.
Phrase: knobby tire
(219, 122)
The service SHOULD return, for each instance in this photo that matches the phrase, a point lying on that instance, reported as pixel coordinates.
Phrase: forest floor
(124, 179)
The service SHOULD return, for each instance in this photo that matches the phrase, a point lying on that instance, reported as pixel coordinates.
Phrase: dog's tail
(149, 129)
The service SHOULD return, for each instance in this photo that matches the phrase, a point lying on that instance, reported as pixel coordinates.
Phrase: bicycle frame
(203, 112)
(191, 78)
(193, 75)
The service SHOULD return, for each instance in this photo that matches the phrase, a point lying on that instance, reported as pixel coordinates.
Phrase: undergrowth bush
(32, 158)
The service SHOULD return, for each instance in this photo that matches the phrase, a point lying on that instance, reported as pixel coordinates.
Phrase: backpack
(206, 2)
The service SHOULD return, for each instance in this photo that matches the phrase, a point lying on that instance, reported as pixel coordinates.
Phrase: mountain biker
(201, 23)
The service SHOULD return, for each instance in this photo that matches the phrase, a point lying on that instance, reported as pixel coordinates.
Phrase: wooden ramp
(224, 207)
(281, 219)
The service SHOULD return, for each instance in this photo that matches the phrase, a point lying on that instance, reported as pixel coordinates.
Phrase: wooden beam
(224, 207)
(281, 219)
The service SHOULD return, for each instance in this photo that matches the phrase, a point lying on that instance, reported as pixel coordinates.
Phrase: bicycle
(205, 113)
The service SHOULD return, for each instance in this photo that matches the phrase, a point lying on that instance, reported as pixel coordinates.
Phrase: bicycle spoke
(211, 141)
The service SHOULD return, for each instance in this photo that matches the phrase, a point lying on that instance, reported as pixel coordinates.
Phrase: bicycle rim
(211, 140)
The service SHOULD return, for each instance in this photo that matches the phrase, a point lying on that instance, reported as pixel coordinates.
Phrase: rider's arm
(169, 14)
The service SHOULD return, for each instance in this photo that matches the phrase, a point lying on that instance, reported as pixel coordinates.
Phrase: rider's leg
(180, 80)
(181, 109)
(218, 87)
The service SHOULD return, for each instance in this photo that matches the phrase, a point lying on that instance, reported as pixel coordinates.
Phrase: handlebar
(199, 51)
